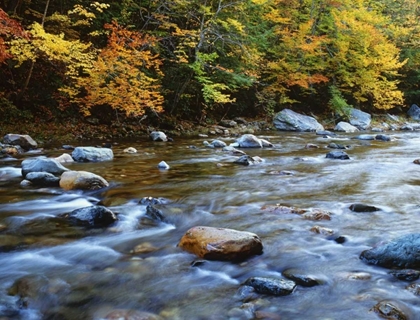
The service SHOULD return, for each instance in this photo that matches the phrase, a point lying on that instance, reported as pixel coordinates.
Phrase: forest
(205, 60)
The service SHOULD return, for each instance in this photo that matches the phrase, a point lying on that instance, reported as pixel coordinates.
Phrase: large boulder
(345, 127)
(220, 243)
(158, 136)
(360, 119)
(93, 217)
(92, 154)
(42, 164)
(82, 180)
(288, 120)
(23, 140)
(414, 112)
(403, 252)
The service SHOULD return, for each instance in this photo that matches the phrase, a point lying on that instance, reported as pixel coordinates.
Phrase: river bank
(85, 129)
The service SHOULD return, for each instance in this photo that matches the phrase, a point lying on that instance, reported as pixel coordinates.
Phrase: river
(62, 271)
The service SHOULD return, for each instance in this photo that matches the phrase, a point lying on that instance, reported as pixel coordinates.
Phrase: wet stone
(338, 155)
(93, 216)
(82, 180)
(382, 137)
(158, 136)
(402, 252)
(414, 288)
(300, 278)
(248, 160)
(163, 165)
(43, 179)
(92, 154)
(389, 310)
(406, 274)
(220, 243)
(334, 145)
(154, 213)
(322, 230)
(271, 286)
(151, 200)
(22, 140)
(360, 207)
(42, 164)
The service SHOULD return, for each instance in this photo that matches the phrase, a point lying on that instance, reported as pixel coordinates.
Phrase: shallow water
(69, 272)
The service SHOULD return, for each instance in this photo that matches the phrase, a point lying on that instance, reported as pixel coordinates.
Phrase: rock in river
(92, 154)
(42, 164)
(23, 140)
(158, 136)
(251, 141)
(246, 160)
(340, 155)
(391, 310)
(273, 286)
(360, 207)
(82, 180)
(43, 179)
(93, 216)
(220, 243)
(403, 252)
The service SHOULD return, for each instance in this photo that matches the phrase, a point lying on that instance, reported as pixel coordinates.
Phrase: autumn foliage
(124, 76)
(216, 58)
(9, 29)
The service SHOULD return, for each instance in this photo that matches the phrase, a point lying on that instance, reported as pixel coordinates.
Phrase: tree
(125, 75)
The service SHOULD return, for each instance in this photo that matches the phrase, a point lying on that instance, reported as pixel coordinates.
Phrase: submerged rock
(272, 286)
(390, 310)
(93, 216)
(122, 314)
(150, 200)
(406, 274)
(92, 154)
(246, 160)
(154, 213)
(300, 278)
(334, 145)
(82, 180)
(42, 164)
(220, 243)
(403, 252)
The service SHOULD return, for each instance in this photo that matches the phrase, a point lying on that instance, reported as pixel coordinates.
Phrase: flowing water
(52, 270)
